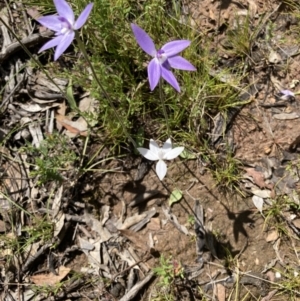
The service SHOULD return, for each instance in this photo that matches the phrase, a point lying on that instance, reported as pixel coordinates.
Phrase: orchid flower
(287, 93)
(163, 59)
(64, 26)
(155, 153)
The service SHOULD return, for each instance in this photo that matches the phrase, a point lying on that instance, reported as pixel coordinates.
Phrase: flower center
(160, 55)
(160, 154)
(65, 25)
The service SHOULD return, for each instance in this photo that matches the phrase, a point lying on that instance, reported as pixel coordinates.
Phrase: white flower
(155, 153)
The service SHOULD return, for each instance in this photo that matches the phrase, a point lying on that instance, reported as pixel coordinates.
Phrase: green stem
(161, 96)
(82, 48)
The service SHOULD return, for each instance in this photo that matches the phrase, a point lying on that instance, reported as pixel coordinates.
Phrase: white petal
(167, 145)
(258, 202)
(161, 169)
(175, 152)
(148, 154)
(154, 146)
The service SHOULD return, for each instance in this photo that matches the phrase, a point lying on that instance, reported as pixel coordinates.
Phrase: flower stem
(161, 96)
(82, 48)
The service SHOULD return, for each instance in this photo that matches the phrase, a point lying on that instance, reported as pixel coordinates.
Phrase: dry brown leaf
(225, 15)
(50, 279)
(62, 108)
(86, 104)
(59, 224)
(16, 181)
(221, 292)
(212, 15)
(33, 12)
(296, 223)
(132, 220)
(269, 296)
(2, 226)
(257, 176)
(78, 127)
(252, 8)
(270, 276)
(272, 236)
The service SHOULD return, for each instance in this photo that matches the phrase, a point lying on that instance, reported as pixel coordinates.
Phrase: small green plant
(239, 38)
(191, 220)
(52, 158)
(289, 282)
(39, 230)
(274, 214)
(14, 245)
(165, 271)
(168, 271)
(226, 171)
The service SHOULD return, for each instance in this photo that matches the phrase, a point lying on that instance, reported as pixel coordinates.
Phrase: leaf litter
(120, 239)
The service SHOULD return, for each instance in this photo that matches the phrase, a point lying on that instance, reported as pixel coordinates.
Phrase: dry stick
(127, 269)
(109, 258)
(32, 259)
(82, 48)
(135, 289)
(11, 93)
(28, 42)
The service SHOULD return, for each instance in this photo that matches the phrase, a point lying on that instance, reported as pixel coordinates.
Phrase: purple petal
(161, 169)
(167, 145)
(172, 154)
(64, 10)
(64, 44)
(52, 22)
(52, 43)
(154, 73)
(174, 47)
(148, 154)
(83, 16)
(143, 39)
(170, 78)
(287, 93)
(179, 62)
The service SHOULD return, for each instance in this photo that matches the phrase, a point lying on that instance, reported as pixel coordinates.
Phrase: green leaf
(175, 197)
(70, 97)
(186, 154)
(139, 139)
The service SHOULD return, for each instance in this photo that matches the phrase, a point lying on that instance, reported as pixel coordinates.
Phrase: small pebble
(277, 275)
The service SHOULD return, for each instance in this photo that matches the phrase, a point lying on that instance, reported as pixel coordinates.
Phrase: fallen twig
(29, 41)
(32, 259)
(132, 293)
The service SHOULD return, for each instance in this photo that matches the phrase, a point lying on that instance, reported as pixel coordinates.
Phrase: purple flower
(64, 26)
(287, 93)
(163, 59)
